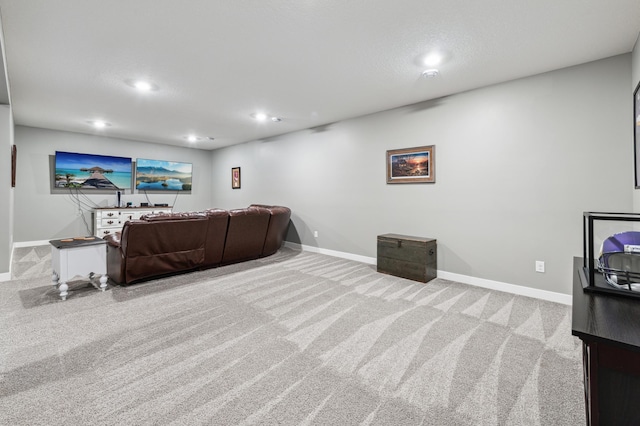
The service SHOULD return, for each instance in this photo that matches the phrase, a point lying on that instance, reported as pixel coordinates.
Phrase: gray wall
(41, 215)
(516, 165)
(6, 192)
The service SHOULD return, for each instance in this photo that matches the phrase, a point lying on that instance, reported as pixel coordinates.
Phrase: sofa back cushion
(155, 246)
(246, 234)
(277, 230)
(216, 236)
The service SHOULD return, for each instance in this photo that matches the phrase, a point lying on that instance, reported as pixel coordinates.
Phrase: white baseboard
(5, 277)
(550, 296)
(30, 243)
(342, 254)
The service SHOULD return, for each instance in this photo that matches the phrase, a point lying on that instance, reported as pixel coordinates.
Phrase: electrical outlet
(539, 266)
(315, 234)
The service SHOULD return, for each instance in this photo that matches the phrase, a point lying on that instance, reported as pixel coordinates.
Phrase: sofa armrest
(113, 240)
(115, 257)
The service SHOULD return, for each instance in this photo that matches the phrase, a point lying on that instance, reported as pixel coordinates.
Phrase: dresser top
(607, 318)
(133, 208)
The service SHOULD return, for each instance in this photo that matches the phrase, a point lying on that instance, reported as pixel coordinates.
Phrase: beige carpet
(293, 339)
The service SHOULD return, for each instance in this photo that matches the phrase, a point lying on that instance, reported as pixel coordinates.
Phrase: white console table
(107, 220)
(72, 257)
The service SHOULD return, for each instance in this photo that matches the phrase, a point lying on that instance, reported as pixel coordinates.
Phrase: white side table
(84, 257)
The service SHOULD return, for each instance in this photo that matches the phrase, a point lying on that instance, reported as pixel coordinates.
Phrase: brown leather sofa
(163, 244)
(277, 230)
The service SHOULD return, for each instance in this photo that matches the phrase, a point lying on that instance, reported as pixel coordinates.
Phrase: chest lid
(407, 238)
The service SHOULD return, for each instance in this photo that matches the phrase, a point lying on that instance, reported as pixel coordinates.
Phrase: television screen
(90, 171)
(163, 175)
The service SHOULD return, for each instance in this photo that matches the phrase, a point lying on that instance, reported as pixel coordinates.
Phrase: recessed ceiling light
(192, 138)
(433, 59)
(142, 85)
(99, 124)
(430, 73)
(261, 116)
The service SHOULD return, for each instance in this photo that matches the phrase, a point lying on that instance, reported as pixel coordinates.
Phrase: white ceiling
(311, 62)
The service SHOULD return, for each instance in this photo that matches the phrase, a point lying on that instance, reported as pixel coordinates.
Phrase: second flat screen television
(163, 175)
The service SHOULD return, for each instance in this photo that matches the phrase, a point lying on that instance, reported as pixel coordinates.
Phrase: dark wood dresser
(609, 327)
(414, 258)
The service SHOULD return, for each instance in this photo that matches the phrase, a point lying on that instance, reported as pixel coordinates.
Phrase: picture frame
(412, 165)
(235, 178)
(14, 159)
(636, 134)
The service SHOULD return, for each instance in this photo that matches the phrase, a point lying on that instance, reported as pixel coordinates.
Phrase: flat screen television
(163, 175)
(91, 171)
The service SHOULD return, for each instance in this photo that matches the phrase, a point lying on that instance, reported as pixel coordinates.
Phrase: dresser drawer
(108, 214)
(137, 214)
(133, 215)
(102, 232)
(409, 257)
(111, 222)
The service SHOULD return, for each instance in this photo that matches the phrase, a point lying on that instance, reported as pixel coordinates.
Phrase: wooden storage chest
(414, 258)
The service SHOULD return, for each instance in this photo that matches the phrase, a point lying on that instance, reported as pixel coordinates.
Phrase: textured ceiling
(310, 62)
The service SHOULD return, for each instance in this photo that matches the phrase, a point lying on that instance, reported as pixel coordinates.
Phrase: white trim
(5, 277)
(342, 254)
(10, 261)
(551, 296)
(31, 243)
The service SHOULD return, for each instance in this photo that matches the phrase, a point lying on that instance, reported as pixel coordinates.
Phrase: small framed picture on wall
(14, 159)
(235, 178)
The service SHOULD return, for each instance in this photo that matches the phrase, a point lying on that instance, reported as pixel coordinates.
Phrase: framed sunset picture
(412, 165)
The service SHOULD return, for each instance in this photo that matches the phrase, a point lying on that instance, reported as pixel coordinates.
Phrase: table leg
(63, 286)
(103, 282)
(63, 290)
